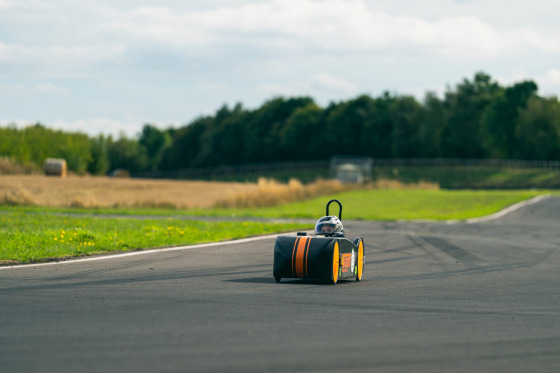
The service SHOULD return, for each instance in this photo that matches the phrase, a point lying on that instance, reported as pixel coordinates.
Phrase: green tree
(185, 145)
(538, 129)
(406, 114)
(302, 127)
(498, 121)
(155, 142)
(344, 126)
(461, 136)
(222, 140)
(265, 126)
(34, 144)
(99, 161)
(13, 144)
(377, 137)
(127, 154)
(431, 127)
(229, 141)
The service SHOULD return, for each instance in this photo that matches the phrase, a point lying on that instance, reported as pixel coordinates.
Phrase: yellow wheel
(360, 260)
(336, 262)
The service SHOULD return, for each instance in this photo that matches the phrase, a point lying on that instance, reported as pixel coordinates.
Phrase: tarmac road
(434, 297)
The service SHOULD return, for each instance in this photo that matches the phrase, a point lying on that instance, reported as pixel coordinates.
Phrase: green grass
(390, 205)
(27, 237)
(31, 234)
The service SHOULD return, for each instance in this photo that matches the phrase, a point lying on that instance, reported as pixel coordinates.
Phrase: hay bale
(55, 167)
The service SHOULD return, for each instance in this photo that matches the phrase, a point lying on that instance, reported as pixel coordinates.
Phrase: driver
(329, 226)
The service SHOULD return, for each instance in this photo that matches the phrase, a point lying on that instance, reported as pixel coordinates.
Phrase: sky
(109, 67)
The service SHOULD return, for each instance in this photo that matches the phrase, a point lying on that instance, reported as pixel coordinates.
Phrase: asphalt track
(435, 297)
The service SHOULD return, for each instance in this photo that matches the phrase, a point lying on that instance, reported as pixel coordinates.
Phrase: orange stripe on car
(306, 254)
(293, 257)
(300, 257)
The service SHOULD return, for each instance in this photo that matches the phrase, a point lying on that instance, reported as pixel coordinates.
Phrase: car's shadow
(270, 280)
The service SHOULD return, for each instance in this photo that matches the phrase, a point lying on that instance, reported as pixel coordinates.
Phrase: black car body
(329, 258)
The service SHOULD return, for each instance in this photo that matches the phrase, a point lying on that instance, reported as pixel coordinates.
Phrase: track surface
(435, 297)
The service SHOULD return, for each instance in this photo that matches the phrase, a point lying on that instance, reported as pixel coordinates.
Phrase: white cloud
(549, 83)
(330, 25)
(176, 59)
(250, 29)
(11, 90)
(212, 86)
(552, 76)
(332, 84)
(129, 125)
(95, 126)
(58, 59)
(316, 85)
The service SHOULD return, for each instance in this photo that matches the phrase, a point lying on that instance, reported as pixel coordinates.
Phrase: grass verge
(399, 204)
(26, 238)
(376, 204)
(32, 234)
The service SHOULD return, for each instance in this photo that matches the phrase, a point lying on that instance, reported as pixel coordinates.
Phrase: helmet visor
(325, 228)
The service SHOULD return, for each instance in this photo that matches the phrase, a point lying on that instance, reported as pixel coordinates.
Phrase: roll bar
(339, 210)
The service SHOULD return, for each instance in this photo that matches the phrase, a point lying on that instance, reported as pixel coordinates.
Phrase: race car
(326, 256)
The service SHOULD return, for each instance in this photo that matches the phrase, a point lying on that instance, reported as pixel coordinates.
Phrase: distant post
(349, 169)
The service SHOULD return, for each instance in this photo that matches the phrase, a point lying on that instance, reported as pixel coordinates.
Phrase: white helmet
(329, 226)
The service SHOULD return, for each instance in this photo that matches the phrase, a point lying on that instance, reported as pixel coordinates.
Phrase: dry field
(89, 191)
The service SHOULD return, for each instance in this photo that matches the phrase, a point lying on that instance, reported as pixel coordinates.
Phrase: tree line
(477, 118)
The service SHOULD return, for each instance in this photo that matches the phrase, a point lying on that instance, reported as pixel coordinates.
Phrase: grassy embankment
(371, 204)
(27, 237)
(39, 216)
(395, 204)
(31, 234)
